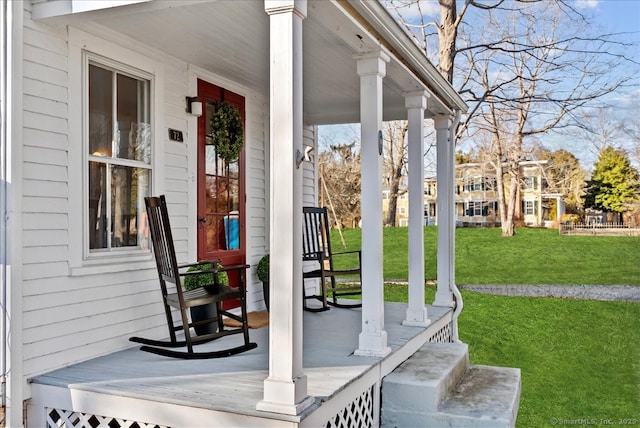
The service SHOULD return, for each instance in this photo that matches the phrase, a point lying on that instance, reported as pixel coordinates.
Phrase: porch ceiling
(231, 39)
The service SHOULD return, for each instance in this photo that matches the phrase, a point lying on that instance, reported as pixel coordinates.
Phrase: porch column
(416, 103)
(446, 212)
(560, 208)
(285, 390)
(373, 338)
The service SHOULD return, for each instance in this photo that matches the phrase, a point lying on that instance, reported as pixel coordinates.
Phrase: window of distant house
(473, 184)
(118, 142)
(478, 183)
(491, 183)
(529, 208)
(474, 209)
(530, 183)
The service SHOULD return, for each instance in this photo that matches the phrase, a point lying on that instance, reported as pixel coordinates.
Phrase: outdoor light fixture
(194, 106)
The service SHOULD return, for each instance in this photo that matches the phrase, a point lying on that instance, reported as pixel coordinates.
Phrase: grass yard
(532, 256)
(580, 360)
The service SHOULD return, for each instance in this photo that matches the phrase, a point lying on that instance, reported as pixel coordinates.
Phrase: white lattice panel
(359, 413)
(58, 418)
(442, 336)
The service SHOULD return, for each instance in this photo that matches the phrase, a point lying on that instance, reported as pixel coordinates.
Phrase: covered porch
(298, 64)
(133, 386)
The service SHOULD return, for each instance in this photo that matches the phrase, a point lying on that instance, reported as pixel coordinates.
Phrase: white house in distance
(476, 196)
(100, 108)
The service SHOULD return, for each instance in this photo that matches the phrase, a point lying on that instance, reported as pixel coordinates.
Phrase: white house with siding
(99, 109)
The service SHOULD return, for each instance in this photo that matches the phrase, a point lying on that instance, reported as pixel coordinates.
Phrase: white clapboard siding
(257, 189)
(73, 315)
(310, 192)
(310, 178)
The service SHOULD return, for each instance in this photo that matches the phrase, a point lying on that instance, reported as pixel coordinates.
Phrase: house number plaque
(175, 135)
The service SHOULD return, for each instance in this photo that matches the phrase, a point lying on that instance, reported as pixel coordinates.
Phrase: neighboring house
(477, 196)
(402, 208)
(106, 102)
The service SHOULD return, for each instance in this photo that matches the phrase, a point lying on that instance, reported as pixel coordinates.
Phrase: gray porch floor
(235, 384)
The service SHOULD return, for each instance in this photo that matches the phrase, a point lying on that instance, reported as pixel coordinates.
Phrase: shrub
(263, 268)
(194, 281)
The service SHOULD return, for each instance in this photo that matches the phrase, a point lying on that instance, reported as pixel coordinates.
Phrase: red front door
(221, 187)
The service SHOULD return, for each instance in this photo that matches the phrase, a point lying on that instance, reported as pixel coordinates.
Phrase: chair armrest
(198, 263)
(233, 267)
(346, 252)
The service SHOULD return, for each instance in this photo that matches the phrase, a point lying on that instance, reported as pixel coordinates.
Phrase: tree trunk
(508, 226)
(393, 196)
(447, 35)
(391, 214)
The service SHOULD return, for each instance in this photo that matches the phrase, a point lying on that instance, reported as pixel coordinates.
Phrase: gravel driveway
(619, 293)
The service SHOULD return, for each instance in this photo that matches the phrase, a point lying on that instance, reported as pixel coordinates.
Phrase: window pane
(129, 187)
(100, 111)
(222, 202)
(133, 138)
(98, 221)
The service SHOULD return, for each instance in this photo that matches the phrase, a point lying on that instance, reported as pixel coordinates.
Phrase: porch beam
(445, 173)
(285, 390)
(373, 338)
(416, 103)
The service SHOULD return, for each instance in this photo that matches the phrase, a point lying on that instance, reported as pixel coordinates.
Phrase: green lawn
(532, 256)
(579, 359)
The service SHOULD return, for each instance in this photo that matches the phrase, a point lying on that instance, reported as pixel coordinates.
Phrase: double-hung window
(530, 183)
(529, 208)
(118, 158)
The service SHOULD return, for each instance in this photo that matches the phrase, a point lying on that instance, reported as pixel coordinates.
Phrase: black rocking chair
(316, 247)
(169, 272)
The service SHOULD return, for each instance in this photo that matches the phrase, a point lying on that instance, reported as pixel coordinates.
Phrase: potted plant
(263, 275)
(227, 133)
(209, 282)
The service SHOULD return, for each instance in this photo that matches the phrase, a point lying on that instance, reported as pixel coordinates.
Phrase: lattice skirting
(358, 413)
(442, 336)
(58, 418)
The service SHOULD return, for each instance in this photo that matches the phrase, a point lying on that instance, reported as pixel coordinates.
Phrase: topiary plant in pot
(263, 275)
(208, 281)
(205, 280)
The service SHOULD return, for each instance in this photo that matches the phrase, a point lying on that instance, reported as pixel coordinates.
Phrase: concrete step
(485, 397)
(422, 382)
(431, 390)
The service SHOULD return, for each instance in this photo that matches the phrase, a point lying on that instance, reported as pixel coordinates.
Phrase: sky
(611, 16)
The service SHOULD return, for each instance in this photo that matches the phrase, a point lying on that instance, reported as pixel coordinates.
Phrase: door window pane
(222, 197)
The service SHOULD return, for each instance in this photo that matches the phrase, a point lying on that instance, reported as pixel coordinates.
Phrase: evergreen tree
(614, 183)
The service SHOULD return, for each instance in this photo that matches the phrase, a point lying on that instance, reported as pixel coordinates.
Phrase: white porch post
(373, 338)
(285, 390)
(446, 212)
(416, 103)
(560, 208)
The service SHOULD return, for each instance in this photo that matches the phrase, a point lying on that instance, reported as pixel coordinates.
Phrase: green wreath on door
(227, 132)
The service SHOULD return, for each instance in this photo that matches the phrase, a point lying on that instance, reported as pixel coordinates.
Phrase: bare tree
(564, 175)
(526, 68)
(394, 165)
(339, 182)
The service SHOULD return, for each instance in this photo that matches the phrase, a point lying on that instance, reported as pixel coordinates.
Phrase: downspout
(4, 25)
(454, 288)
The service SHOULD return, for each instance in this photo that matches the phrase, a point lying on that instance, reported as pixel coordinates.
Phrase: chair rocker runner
(316, 247)
(169, 272)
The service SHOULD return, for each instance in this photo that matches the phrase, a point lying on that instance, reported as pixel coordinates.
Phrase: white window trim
(83, 46)
(533, 207)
